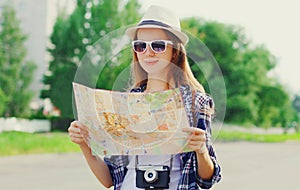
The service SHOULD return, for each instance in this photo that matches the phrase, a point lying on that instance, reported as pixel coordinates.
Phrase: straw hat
(159, 17)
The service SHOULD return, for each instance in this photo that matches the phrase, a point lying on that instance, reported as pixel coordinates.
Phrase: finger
(77, 140)
(81, 126)
(196, 143)
(70, 128)
(75, 123)
(187, 129)
(196, 136)
(193, 147)
(73, 126)
(193, 130)
(197, 139)
(199, 132)
(75, 135)
(73, 129)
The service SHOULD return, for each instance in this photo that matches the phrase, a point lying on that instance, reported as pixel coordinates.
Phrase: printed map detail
(122, 123)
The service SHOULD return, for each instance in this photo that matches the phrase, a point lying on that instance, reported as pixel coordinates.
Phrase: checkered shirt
(189, 179)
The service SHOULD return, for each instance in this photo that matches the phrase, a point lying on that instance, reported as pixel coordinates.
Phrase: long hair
(180, 75)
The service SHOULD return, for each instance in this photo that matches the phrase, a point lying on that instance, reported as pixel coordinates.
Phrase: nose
(149, 51)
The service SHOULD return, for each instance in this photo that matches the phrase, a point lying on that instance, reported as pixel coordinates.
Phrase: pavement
(245, 166)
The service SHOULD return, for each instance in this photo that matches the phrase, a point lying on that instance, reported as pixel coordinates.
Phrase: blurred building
(37, 19)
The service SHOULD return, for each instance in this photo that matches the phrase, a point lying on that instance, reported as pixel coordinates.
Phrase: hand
(78, 132)
(197, 139)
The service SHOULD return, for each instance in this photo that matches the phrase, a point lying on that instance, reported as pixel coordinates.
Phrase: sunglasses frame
(149, 43)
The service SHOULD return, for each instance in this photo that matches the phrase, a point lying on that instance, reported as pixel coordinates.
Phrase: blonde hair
(176, 77)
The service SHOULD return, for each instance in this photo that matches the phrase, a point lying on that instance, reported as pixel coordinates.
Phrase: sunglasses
(157, 46)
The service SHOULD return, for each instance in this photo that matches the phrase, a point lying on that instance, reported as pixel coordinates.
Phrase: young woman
(160, 63)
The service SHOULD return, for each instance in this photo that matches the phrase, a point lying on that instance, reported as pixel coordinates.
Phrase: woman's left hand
(196, 139)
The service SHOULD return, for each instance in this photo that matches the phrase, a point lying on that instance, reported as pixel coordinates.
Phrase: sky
(276, 24)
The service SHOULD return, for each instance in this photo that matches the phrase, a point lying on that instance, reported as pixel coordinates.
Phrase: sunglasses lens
(139, 46)
(158, 46)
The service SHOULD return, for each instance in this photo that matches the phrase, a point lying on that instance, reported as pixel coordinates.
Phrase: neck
(154, 85)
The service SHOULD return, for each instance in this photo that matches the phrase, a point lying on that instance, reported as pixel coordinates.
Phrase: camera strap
(137, 161)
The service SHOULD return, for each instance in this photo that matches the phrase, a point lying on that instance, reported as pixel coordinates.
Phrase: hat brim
(131, 32)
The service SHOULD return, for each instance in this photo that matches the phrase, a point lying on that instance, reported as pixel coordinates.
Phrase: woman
(160, 63)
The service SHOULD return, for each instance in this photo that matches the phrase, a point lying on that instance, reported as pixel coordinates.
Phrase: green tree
(16, 73)
(73, 40)
(245, 70)
(3, 101)
(274, 107)
(296, 103)
(248, 77)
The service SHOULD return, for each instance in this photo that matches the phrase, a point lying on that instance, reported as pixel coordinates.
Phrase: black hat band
(153, 22)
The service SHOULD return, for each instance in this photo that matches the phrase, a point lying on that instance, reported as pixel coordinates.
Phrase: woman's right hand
(78, 132)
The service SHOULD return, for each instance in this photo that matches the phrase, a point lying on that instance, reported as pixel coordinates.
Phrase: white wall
(24, 125)
(32, 14)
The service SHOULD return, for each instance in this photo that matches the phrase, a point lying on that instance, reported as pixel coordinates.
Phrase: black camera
(151, 177)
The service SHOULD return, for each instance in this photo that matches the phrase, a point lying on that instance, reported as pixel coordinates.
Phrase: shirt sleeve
(117, 168)
(204, 108)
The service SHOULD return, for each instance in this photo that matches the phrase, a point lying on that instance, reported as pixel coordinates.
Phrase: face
(152, 62)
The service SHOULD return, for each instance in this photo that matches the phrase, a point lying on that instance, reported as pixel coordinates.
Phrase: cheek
(139, 57)
(169, 54)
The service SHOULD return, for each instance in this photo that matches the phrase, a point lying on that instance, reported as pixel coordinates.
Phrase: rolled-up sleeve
(117, 169)
(204, 107)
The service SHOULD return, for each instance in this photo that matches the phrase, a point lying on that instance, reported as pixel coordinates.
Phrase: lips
(150, 61)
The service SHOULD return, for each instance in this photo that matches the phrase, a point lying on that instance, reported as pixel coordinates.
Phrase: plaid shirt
(189, 179)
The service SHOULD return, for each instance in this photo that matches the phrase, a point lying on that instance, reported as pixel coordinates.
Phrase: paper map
(123, 123)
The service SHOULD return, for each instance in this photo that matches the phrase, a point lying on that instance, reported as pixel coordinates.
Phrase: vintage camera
(151, 177)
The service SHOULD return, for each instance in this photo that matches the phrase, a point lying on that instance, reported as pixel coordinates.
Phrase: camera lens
(150, 176)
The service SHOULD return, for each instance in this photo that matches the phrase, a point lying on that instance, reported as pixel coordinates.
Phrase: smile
(151, 62)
